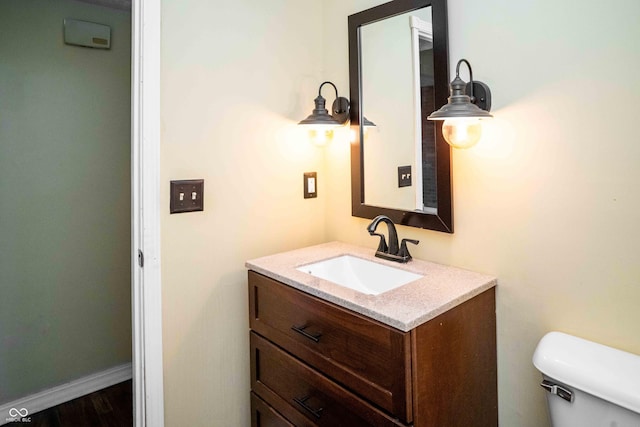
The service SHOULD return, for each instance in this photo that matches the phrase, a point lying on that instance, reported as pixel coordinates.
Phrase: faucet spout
(393, 252)
(393, 247)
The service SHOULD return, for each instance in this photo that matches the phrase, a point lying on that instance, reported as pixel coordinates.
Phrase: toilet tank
(589, 384)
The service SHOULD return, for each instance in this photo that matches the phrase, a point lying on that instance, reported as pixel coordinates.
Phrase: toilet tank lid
(605, 372)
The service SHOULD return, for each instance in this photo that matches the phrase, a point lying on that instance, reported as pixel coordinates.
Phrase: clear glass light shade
(462, 132)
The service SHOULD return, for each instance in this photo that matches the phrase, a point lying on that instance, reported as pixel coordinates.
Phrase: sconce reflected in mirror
(367, 126)
(321, 124)
(462, 114)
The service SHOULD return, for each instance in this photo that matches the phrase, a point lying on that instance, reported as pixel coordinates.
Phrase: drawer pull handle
(301, 331)
(302, 402)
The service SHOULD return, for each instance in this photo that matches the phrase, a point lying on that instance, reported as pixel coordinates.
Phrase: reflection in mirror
(398, 67)
(425, 131)
(397, 89)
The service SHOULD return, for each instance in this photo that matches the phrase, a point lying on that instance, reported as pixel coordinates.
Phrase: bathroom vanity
(422, 354)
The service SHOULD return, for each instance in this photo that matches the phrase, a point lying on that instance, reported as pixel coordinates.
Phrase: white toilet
(588, 384)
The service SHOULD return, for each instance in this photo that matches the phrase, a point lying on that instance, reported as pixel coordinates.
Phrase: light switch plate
(187, 196)
(310, 185)
(404, 176)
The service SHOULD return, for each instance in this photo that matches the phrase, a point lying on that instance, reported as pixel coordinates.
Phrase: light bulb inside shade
(462, 133)
(320, 134)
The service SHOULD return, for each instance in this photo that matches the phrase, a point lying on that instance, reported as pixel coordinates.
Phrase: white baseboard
(63, 393)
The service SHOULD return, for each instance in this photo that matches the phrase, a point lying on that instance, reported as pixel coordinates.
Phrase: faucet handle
(382, 247)
(404, 252)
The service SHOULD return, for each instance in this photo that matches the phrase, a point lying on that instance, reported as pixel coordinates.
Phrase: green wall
(65, 310)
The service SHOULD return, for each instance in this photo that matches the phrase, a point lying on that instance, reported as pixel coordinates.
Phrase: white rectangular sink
(359, 274)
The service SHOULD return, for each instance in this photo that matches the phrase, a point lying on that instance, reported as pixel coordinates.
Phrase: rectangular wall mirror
(398, 75)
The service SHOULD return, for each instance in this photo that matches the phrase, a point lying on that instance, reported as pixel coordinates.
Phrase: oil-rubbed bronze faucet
(391, 252)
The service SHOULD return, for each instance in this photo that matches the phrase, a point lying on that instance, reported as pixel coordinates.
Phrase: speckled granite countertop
(404, 308)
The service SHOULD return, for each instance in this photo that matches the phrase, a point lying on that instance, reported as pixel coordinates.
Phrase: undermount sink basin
(359, 274)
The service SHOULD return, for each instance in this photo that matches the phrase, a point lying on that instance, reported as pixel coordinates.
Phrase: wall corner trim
(72, 390)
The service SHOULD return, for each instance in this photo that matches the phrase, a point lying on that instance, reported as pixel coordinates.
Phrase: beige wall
(65, 310)
(236, 78)
(548, 201)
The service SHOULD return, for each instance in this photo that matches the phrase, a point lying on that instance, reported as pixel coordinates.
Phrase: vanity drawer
(369, 358)
(303, 395)
(263, 415)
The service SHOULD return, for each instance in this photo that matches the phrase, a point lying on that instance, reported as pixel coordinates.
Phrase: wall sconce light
(320, 123)
(462, 114)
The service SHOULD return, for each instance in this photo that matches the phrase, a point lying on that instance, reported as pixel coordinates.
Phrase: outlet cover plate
(187, 196)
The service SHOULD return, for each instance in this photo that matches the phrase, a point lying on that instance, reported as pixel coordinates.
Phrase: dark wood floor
(110, 407)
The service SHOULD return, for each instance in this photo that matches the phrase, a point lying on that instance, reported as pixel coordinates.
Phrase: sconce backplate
(481, 93)
(340, 109)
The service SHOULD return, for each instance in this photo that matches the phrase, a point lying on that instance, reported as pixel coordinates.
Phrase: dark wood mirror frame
(443, 220)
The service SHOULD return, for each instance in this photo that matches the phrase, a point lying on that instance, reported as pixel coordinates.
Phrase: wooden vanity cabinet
(314, 363)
